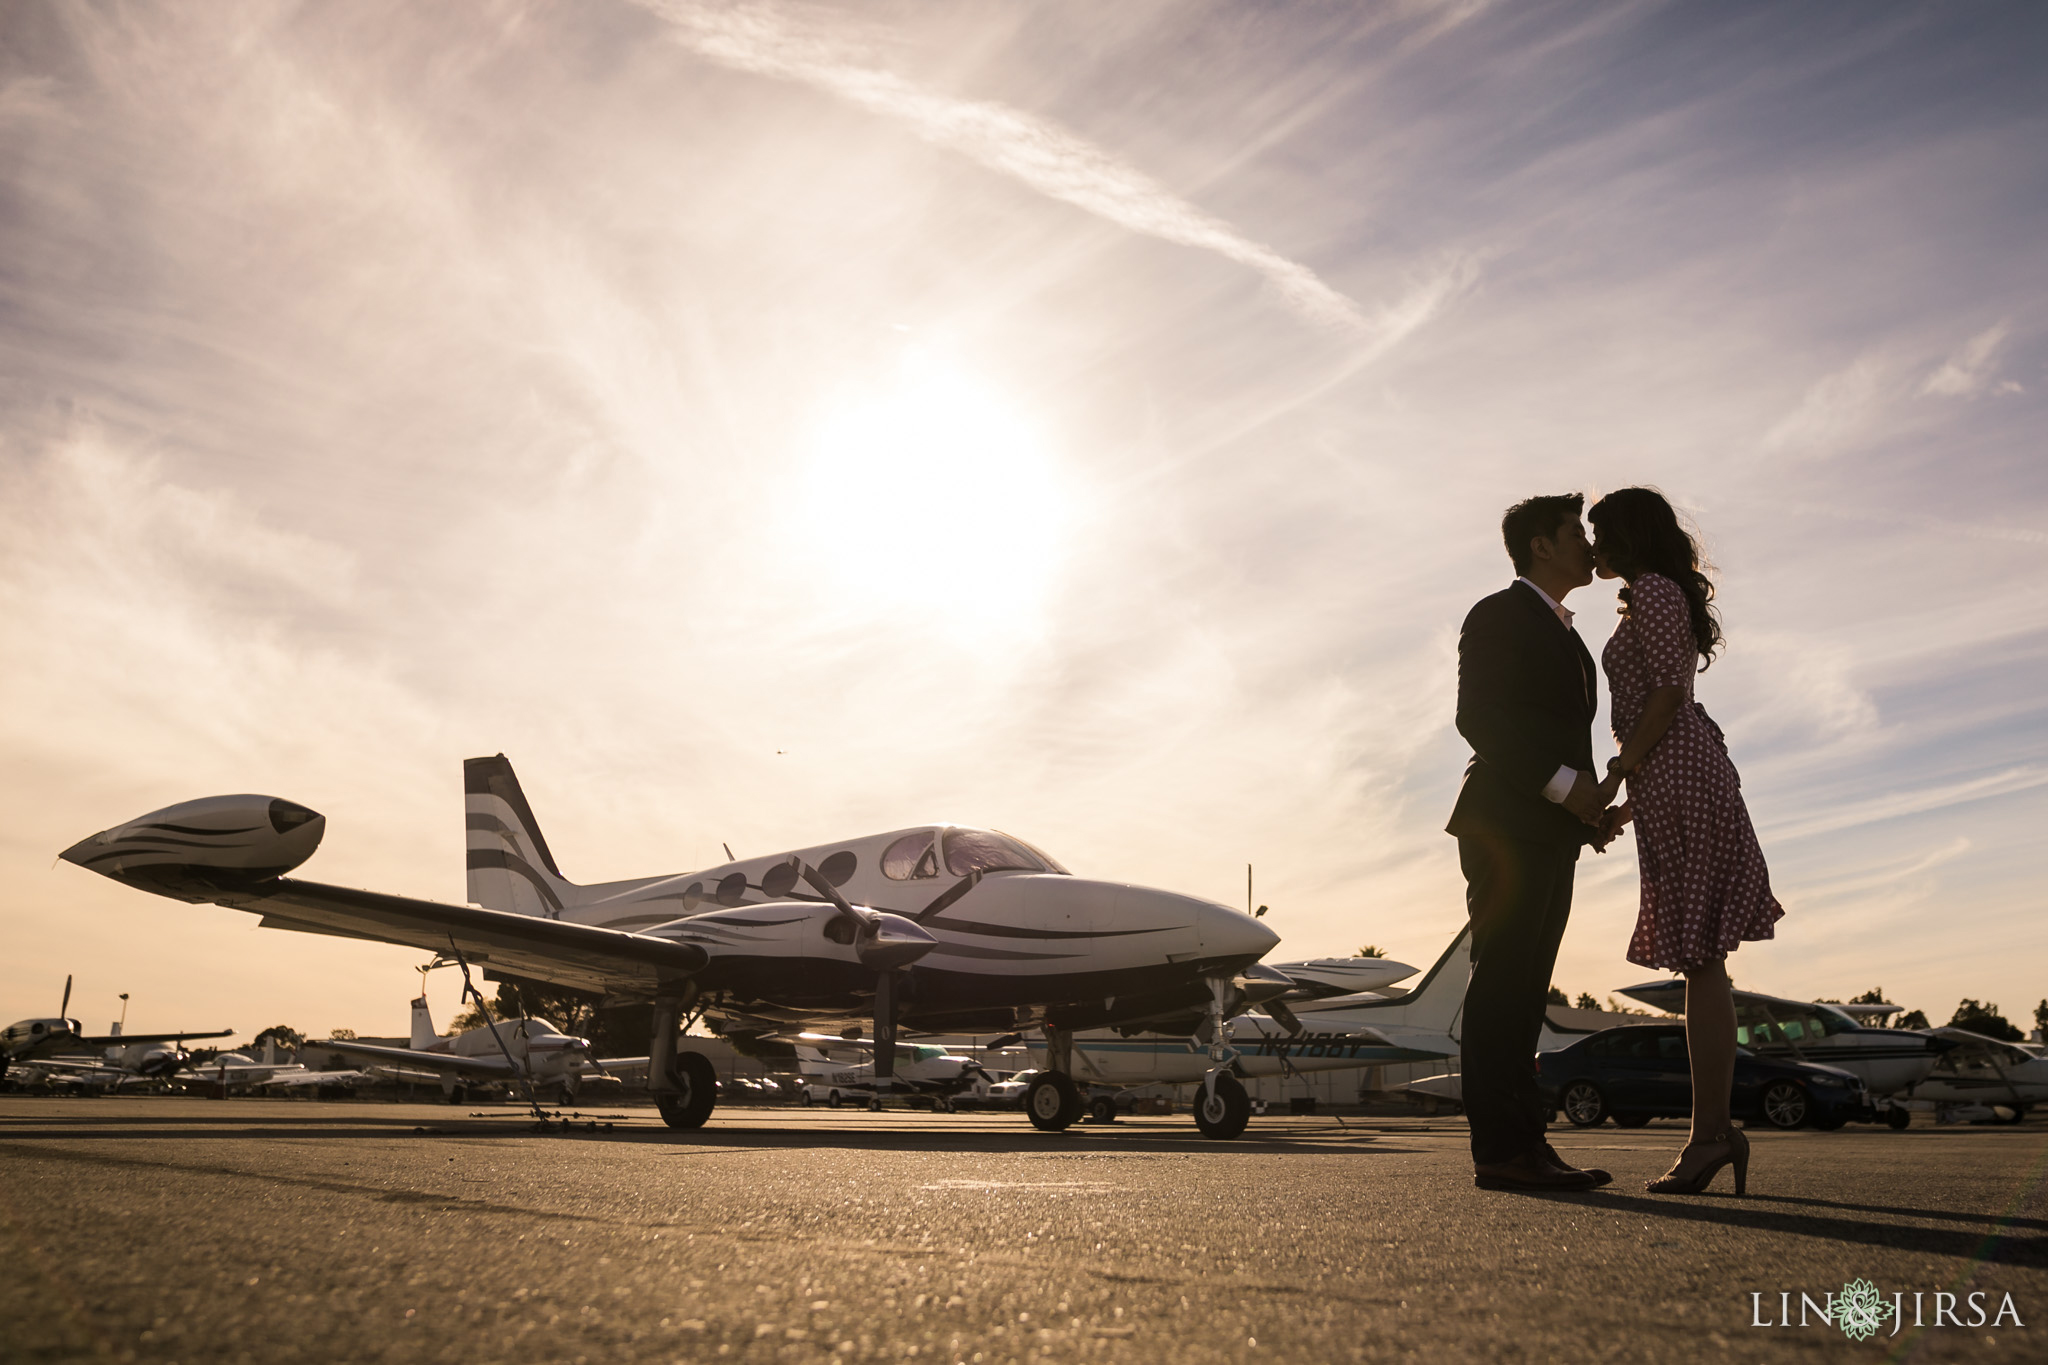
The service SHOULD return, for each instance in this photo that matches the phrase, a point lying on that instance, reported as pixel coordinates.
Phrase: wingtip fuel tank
(200, 850)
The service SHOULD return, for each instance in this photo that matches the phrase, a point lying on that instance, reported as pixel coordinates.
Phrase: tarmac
(173, 1229)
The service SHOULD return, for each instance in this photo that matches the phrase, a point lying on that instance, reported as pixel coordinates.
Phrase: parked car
(1638, 1072)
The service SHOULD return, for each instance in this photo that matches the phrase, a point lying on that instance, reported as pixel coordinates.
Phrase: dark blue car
(1639, 1072)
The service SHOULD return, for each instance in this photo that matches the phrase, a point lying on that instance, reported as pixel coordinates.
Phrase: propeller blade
(885, 1026)
(829, 892)
(64, 1010)
(949, 897)
(1278, 1012)
(1006, 1040)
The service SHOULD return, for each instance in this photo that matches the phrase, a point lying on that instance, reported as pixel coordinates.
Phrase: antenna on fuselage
(64, 1010)
(124, 1013)
(728, 852)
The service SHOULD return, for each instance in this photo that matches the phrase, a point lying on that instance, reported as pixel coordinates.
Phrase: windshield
(986, 850)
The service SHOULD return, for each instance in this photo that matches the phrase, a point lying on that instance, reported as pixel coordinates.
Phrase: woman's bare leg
(1710, 1042)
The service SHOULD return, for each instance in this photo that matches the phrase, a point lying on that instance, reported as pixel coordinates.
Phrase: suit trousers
(1519, 895)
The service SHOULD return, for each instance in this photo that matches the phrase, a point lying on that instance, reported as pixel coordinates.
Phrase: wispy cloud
(1892, 805)
(1970, 370)
(762, 40)
(1832, 412)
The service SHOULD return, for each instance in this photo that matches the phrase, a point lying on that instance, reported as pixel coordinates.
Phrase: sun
(938, 491)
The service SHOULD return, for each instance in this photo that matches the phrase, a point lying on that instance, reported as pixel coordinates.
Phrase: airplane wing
(426, 1061)
(579, 956)
(1965, 1046)
(311, 1078)
(123, 1039)
(612, 1065)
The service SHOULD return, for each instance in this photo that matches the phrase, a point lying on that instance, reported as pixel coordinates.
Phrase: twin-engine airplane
(939, 928)
(59, 1045)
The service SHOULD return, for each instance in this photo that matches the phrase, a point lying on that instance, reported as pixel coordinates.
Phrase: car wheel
(1784, 1104)
(1630, 1120)
(832, 1100)
(1897, 1117)
(1583, 1104)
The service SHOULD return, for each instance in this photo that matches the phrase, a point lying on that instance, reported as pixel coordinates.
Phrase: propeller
(64, 1010)
(885, 943)
(949, 897)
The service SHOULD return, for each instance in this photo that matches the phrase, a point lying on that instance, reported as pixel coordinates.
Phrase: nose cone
(1228, 933)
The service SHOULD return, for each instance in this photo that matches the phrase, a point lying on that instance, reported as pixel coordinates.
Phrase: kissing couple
(1533, 797)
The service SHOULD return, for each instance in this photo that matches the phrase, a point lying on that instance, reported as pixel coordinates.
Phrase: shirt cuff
(1560, 786)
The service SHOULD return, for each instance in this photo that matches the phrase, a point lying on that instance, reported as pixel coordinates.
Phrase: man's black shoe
(1529, 1171)
(1600, 1177)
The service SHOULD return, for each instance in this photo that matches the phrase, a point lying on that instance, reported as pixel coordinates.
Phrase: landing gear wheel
(1897, 1117)
(1630, 1120)
(696, 1092)
(1102, 1109)
(458, 1094)
(1052, 1101)
(942, 1105)
(874, 1104)
(1223, 1110)
(1583, 1104)
(1784, 1104)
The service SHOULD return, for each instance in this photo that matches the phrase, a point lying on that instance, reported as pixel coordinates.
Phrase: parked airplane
(530, 1050)
(1888, 1061)
(1014, 941)
(1322, 978)
(1414, 1026)
(844, 1068)
(61, 1045)
(1985, 1071)
(239, 1071)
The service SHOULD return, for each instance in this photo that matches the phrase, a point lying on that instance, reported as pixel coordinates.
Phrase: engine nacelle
(200, 850)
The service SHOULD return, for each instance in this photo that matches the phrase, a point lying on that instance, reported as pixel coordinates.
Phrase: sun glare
(936, 491)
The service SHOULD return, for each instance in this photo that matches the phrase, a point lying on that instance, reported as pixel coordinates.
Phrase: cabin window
(1793, 1030)
(986, 850)
(1671, 1047)
(911, 858)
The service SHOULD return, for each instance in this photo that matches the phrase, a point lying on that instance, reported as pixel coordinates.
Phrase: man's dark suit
(1526, 699)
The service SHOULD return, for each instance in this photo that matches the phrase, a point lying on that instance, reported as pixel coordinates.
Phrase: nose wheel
(1222, 1108)
(1053, 1102)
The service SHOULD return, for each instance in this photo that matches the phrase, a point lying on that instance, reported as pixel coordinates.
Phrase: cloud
(1892, 805)
(1832, 412)
(1968, 372)
(1053, 161)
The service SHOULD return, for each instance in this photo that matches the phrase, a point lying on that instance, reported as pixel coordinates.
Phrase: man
(1530, 801)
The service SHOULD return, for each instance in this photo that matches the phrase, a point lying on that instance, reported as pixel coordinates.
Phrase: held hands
(1608, 828)
(1587, 798)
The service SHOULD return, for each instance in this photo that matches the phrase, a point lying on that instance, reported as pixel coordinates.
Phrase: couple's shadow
(1996, 1239)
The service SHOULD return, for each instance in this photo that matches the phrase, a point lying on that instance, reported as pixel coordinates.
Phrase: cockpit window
(911, 858)
(986, 850)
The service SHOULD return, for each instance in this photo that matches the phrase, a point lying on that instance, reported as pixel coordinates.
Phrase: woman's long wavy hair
(1638, 533)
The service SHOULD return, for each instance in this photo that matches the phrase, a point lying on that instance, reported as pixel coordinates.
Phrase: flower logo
(1860, 1309)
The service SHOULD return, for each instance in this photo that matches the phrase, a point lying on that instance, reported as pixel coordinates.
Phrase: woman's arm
(1658, 711)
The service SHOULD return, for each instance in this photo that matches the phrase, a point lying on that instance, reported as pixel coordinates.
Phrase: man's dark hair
(1537, 517)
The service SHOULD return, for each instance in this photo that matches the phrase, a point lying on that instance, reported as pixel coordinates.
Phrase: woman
(1705, 887)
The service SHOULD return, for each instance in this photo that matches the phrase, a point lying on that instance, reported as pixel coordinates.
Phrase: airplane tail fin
(423, 1035)
(1437, 1002)
(510, 867)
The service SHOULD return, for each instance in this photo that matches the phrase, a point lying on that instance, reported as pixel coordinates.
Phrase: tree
(1558, 997)
(1910, 1019)
(1616, 1007)
(1370, 951)
(1587, 1002)
(573, 1012)
(1984, 1018)
(342, 1033)
(1873, 996)
(287, 1037)
(2041, 1016)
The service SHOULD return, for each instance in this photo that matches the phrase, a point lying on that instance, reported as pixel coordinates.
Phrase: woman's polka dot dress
(1705, 886)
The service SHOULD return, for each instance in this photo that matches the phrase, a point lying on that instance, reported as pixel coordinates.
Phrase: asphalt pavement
(170, 1229)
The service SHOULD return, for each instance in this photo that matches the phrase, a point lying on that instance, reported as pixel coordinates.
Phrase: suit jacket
(1527, 693)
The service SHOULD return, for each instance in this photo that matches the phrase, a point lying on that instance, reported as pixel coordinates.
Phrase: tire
(832, 1100)
(1102, 1109)
(1222, 1111)
(459, 1095)
(695, 1095)
(1583, 1104)
(803, 1097)
(1784, 1105)
(1630, 1120)
(1897, 1117)
(874, 1105)
(1052, 1102)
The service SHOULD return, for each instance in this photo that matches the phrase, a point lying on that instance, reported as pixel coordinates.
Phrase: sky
(769, 424)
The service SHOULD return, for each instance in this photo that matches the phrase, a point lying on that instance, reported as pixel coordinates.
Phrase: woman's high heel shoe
(1736, 1143)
